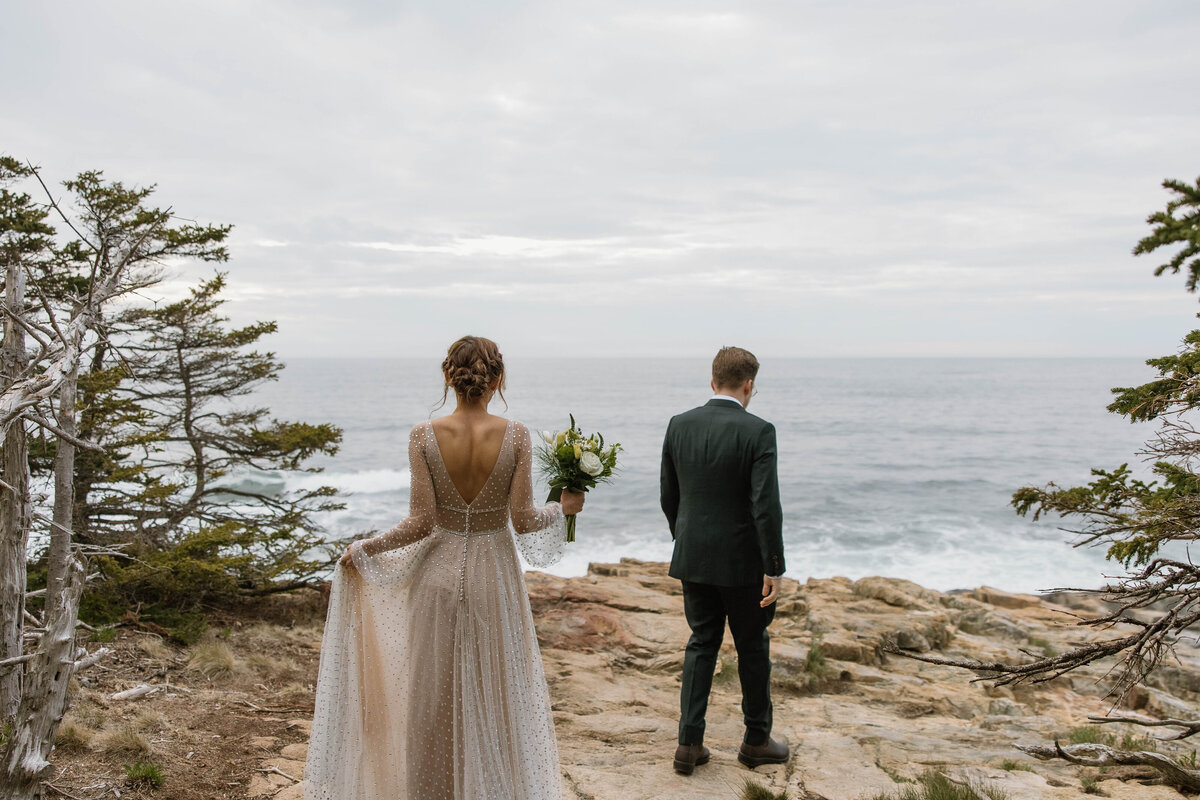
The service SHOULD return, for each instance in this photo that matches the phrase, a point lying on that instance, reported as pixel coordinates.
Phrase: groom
(720, 492)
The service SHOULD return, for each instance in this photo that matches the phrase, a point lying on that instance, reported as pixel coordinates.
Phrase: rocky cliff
(229, 717)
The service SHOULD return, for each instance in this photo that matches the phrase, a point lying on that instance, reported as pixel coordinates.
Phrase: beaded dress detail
(431, 684)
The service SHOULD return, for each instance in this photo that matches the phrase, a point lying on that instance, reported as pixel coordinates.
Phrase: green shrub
(105, 635)
(1012, 765)
(1132, 741)
(728, 675)
(1044, 645)
(145, 774)
(1089, 734)
(754, 791)
(815, 663)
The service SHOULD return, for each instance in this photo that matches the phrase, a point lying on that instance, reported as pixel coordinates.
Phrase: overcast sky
(935, 177)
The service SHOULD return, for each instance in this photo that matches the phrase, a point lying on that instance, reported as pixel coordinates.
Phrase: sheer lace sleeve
(391, 556)
(541, 532)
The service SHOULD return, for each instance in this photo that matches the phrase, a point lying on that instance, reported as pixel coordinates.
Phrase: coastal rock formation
(229, 716)
(861, 722)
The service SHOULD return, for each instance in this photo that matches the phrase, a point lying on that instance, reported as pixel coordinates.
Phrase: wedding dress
(431, 683)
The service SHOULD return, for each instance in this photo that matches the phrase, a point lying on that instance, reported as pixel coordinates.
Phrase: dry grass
(213, 660)
(198, 738)
(296, 694)
(271, 637)
(124, 740)
(154, 648)
(74, 735)
(87, 709)
(149, 720)
(268, 667)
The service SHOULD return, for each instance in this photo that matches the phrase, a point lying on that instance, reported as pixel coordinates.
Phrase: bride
(431, 682)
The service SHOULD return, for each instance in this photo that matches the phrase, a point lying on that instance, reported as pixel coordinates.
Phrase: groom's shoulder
(755, 424)
(691, 415)
(754, 419)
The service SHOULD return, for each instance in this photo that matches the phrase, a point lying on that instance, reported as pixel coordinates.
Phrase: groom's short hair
(733, 366)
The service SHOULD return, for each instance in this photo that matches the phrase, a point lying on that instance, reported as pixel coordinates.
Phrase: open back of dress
(431, 684)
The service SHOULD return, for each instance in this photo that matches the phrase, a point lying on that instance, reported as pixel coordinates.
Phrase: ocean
(895, 467)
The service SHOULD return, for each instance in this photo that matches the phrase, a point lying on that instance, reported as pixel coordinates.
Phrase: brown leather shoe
(688, 756)
(773, 752)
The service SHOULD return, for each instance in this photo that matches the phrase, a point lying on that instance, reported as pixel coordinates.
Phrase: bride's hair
(472, 365)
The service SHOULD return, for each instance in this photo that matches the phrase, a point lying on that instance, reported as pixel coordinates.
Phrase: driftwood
(134, 693)
(1101, 755)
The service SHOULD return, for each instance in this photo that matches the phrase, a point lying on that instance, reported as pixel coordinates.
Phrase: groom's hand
(770, 591)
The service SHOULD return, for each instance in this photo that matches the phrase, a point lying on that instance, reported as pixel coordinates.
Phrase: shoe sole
(686, 767)
(758, 762)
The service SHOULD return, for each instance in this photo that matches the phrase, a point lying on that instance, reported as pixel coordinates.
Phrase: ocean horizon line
(285, 358)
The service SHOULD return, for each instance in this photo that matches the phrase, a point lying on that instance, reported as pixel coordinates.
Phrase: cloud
(679, 169)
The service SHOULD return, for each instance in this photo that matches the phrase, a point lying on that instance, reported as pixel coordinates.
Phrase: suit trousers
(706, 608)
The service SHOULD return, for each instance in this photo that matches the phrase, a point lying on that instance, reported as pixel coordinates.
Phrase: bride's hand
(572, 502)
(347, 560)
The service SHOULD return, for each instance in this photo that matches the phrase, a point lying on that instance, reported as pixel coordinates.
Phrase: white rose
(590, 463)
(547, 437)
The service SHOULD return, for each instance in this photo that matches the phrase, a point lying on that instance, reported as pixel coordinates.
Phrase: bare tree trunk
(44, 699)
(59, 555)
(15, 511)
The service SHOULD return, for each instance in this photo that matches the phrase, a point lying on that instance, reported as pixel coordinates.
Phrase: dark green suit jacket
(720, 492)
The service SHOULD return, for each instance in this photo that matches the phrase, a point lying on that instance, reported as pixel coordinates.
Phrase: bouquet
(572, 462)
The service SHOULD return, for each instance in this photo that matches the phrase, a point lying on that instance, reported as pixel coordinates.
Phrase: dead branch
(15, 660)
(1100, 755)
(1034, 671)
(264, 710)
(1191, 727)
(66, 794)
(54, 204)
(29, 328)
(41, 592)
(38, 419)
(278, 771)
(91, 659)
(49, 309)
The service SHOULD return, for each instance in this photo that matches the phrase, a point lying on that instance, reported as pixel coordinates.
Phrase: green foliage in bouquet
(573, 462)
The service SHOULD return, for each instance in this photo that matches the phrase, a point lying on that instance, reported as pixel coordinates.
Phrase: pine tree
(164, 402)
(1135, 520)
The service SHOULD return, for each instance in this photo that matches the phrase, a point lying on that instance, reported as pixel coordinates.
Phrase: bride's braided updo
(472, 366)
